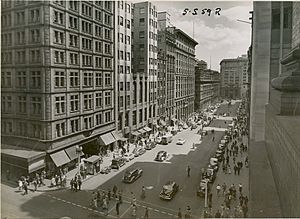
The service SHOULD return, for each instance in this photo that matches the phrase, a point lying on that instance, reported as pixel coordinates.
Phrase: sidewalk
(71, 174)
(230, 179)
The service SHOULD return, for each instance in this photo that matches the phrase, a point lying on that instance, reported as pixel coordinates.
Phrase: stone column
(286, 96)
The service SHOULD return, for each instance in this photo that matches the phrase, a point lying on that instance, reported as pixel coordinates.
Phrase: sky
(219, 36)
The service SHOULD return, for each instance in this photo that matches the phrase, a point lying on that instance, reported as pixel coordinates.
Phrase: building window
(127, 56)
(128, 101)
(141, 115)
(74, 125)
(98, 31)
(21, 57)
(127, 40)
(127, 69)
(107, 80)
(60, 79)
(107, 5)
(98, 119)
(73, 5)
(73, 59)
(121, 69)
(120, 38)
(86, 10)
(142, 10)
(58, 37)
(34, 15)
(60, 129)
(74, 79)
(99, 100)
(276, 18)
(20, 18)
(59, 57)
(142, 21)
(107, 63)
(20, 37)
(6, 79)
(108, 116)
(98, 61)
(98, 79)
(107, 34)
(128, 24)
(6, 104)
(107, 49)
(107, 99)
(121, 20)
(98, 15)
(21, 79)
(35, 79)
(73, 22)
(86, 43)
(35, 56)
(22, 128)
(86, 27)
(36, 105)
(98, 46)
(88, 122)
(35, 36)
(22, 103)
(6, 127)
(60, 105)
(58, 18)
(87, 60)
(73, 40)
(87, 101)
(88, 79)
(121, 101)
(74, 103)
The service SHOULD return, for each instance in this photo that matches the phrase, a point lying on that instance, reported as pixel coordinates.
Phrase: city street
(155, 175)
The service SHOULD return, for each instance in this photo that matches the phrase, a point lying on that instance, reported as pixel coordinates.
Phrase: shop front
(134, 136)
(18, 161)
(59, 164)
(74, 155)
(106, 143)
(120, 140)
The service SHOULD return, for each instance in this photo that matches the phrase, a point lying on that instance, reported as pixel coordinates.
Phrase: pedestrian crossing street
(125, 209)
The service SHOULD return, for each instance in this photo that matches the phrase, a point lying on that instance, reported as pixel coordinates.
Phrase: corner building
(57, 80)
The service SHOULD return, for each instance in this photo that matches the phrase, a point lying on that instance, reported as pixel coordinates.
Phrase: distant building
(275, 110)
(207, 86)
(145, 68)
(234, 77)
(57, 72)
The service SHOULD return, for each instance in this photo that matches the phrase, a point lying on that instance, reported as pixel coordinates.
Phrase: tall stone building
(166, 45)
(123, 58)
(207, 86)
(184, 74)
(144, 66)
(275, 110)
(233, 76)
(57, 81)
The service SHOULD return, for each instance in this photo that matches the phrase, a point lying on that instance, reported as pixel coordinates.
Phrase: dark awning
(37, 165)
(135, 133)
(147, 129)
(72, 153)
(60, 158)
(106, 139)
(142, 131)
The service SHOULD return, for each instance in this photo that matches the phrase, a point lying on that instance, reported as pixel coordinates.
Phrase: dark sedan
(132, 175)
(161, 156)
(169, 190)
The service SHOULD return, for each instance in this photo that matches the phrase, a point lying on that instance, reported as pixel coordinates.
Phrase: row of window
(125, 40)
(151, 11)
(151, 113)
(121, 22)
(121, 6)
(74, 125)
(89, 79)
(85, 9)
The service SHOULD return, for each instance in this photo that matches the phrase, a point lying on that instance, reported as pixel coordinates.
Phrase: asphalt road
(77, 204)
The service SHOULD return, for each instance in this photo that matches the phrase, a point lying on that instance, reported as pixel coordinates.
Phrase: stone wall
(282, 143)
(296, 24)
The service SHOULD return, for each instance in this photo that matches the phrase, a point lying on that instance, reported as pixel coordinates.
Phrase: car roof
(160, 152)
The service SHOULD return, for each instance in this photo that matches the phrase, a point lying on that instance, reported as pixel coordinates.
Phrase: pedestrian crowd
(76, 183)
(37, 181)
(235, 203)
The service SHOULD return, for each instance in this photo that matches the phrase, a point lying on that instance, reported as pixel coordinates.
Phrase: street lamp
(78, 152)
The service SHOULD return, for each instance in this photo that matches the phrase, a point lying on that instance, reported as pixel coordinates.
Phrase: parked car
(158, 140)
(138, 151)
(202, 187)
(210, 175)
(169, 190)
(105, 170)
(166, 139)
(117, 162)
(185, 126)
(180, 141)
(221, 146)
(132, 175)
(150, 145)
(128, 156)
(161, 156)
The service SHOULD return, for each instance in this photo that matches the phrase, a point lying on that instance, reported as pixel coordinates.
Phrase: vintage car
(150, 145)
(180, 141)
(117, 162)
(105, 170)
(202, 188)
(169, 190)
(138, 151)
(161, 156)
(132, 175)
(128, 156)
